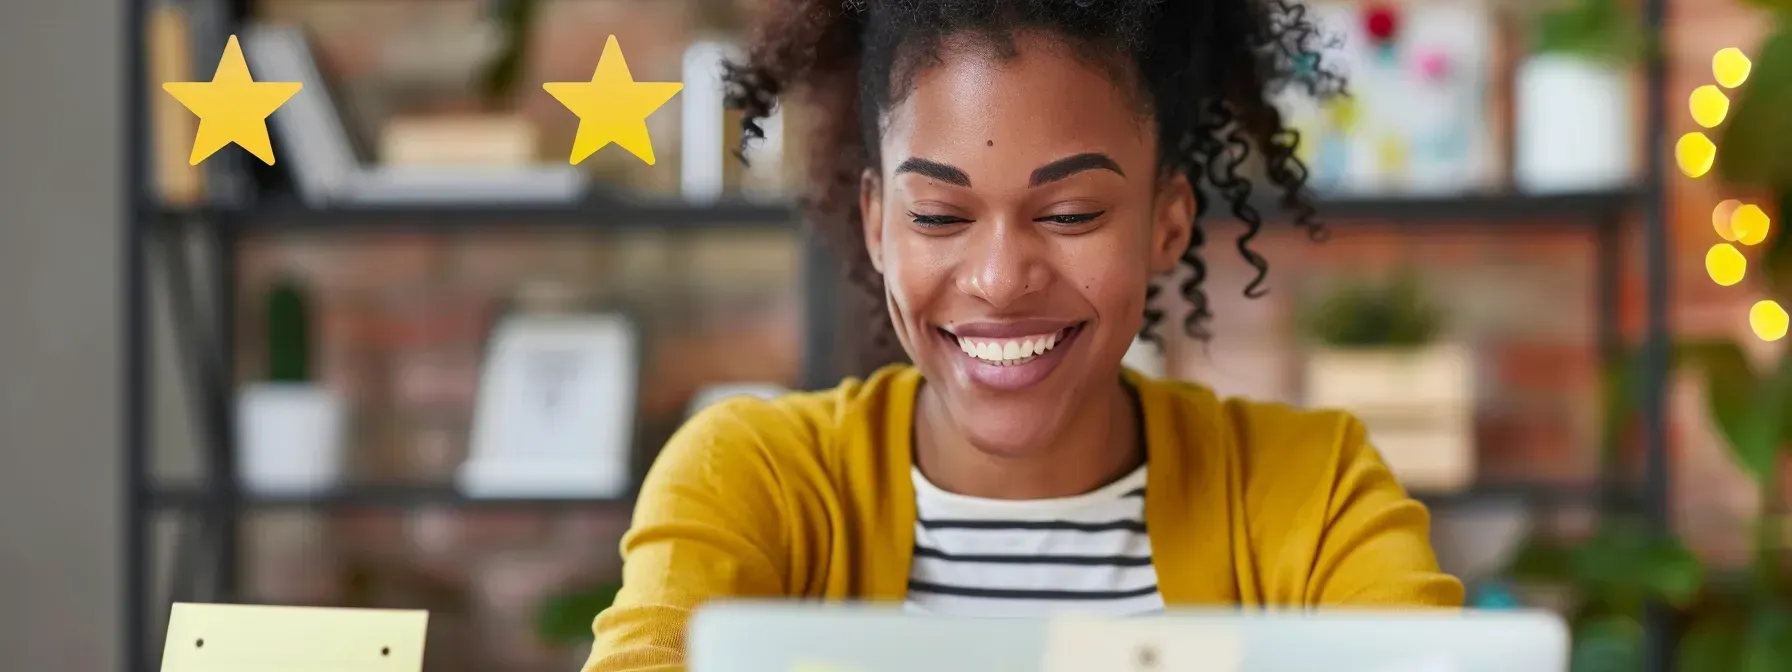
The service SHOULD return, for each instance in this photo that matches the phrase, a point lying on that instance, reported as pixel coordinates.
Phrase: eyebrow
(1051, 172)
(1071, 165)
(936, 170)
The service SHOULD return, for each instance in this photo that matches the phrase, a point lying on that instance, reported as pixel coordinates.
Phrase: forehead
(1036, 104)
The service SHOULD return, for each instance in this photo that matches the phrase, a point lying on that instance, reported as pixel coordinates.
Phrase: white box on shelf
(291, 437)
(1416, 404)
(556, 409)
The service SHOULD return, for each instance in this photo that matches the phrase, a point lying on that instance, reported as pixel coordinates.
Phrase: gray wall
(59, 241)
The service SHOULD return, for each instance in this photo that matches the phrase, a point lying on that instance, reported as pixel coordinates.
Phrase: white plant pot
(1417, 405)
(1575, 126)
(290, 436)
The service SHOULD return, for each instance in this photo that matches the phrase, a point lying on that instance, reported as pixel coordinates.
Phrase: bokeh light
(1695, 154)
(1768, 320)
(1725, 264)
(1730, 66)
(1750, 224)
(1709, 106)
(1720, 218)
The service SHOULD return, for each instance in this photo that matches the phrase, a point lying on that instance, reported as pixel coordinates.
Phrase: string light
(1725, 264)
(1768, 319)
(1709, 106)
(1750, 224)
(1731, 67)
(1695, 153)
(1734, 221)
(1720, 218)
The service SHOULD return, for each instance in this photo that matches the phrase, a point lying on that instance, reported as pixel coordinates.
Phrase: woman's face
(1017, 219)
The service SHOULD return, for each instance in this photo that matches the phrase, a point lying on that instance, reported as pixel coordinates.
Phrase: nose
(1003, 262)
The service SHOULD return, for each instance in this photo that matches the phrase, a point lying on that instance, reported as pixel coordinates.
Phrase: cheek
(1113, 280)
(917, 269)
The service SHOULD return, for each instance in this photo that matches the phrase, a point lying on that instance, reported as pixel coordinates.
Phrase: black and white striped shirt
(986, 557)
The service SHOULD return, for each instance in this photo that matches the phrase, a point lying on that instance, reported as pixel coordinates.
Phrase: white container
(1575, 125)
(290, 436)
(1417, 406)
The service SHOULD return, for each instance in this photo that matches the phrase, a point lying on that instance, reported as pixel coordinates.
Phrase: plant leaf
(1765, 429)
(1623, 564)
(1776, 253)
(1731, 394)
(1774, 5)
(1542, 560)
(1767, 644)
(1712, 645)
(1608, 644)
(1752, 149)
(567, 618)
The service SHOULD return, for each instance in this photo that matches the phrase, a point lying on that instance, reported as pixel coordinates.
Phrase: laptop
(789, 637)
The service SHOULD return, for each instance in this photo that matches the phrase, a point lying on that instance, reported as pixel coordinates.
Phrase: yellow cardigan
(1252, 504)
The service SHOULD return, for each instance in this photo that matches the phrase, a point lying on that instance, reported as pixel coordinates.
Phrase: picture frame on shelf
(555, 417)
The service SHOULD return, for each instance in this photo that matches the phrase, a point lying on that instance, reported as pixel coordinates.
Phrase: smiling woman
(1010, 178)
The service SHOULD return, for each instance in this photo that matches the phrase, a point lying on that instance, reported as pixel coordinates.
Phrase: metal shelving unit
(205, 322)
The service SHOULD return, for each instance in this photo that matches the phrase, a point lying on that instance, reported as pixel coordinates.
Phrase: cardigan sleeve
(1376, 549)
(709, 522)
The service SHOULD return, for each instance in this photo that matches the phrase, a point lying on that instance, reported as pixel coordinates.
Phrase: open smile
(1008, 358)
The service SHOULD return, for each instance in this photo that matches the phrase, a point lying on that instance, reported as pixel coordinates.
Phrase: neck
(1095, 447)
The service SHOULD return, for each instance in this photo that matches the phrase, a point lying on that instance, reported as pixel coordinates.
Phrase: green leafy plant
(1391, 315)
(1730, 622)
(566, 618)
(1754, 141)
(1600, 30)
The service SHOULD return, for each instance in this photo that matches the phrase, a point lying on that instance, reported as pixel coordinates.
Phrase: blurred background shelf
(381, 496)
(288, 214)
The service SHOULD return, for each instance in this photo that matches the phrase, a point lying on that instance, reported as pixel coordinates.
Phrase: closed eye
(1071, 219)
(936, 220)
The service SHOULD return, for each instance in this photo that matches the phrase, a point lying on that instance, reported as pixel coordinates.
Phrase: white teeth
(1008, 350)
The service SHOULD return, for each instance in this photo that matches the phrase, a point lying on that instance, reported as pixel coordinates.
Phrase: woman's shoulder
(1257, 423)
(1271, 443)
(796, 431)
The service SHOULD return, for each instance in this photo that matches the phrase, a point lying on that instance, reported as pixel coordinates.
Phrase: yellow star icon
(612, 107)
(232, 107)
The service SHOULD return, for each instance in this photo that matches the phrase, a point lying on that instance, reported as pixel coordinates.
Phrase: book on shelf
(172, 127)
(329, 168)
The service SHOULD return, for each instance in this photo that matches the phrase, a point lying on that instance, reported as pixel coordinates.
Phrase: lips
(1011, 351)
(1011, 355)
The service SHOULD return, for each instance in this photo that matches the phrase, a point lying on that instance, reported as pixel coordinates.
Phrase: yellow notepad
(244, 638)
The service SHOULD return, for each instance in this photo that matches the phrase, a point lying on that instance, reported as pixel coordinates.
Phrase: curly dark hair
(1206, 69)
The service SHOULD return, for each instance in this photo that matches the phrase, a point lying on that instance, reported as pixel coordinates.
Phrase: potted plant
(1379, 355)
(442, 58)
(291, 429)
(1574, 123)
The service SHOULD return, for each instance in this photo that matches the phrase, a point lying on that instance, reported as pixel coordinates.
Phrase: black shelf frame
(211, 511)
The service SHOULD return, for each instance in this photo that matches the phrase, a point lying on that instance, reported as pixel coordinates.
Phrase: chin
(1007, 425)
(1020, 438)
